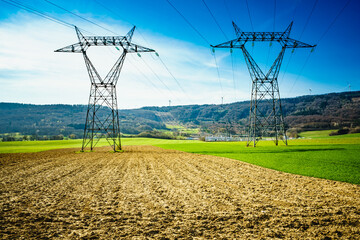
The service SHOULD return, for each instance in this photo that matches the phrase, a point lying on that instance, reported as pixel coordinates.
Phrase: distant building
(223, 139)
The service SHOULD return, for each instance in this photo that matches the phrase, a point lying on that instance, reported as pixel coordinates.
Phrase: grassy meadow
(339, 162)
(315, 155)
(38, 146)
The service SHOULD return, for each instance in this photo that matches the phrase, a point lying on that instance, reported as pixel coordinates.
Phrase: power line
(118, 15)
(297, 5)
(146, 77)
(36, 12)
(187, 21)
(274, 14)
(247, 5)
(163, 63)
(115, 34)
(308, 57)
(287, 65)
(79, 16)
(157, 76)
(56, 20)
(307, 21)
(268, 55)
(218, 72)
(301, 70)
(332, 23)
(231, 55)
(233, 74)
(177, 82)
(108, 9)
(217, 66)
(43, 15)
(212, 15)
(293, 17)
(270, 47)
(228, 11)
(172, 75)
(322, 36)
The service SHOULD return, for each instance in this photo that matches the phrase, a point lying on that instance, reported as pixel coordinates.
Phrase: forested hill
(328, 111)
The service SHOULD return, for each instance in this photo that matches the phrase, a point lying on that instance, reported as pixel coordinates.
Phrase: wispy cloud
(30, 70)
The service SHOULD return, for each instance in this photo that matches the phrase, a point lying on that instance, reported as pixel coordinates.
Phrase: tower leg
(113, 134)
(265, 117)
(117, 123)
(102, 118)
(88, 137)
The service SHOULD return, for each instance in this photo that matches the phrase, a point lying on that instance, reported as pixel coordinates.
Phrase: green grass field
(38, 146)
(322, 156)
(331, 161)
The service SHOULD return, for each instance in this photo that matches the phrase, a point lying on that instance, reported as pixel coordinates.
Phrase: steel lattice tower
(265, 118)
(100, 122)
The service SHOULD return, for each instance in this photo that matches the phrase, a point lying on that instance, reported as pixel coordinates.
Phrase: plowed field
(148, 192)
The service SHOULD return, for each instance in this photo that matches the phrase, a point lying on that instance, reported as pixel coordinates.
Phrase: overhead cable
(233, 73)
(36, 12)
(307, 20)
(293, 17)
(217, 66)
(187, 21)
(157, 76)
(301, 70)
(287, 65)
(332, 23)
(146, 77)
(247, 5)
(85, 19)
(212, 15)
(59, 21)
(163, 63)
(274, 15)
(43, 15)
(228, 11)
(98, 26)
(218, 72)
(322, 36)
(177, 82)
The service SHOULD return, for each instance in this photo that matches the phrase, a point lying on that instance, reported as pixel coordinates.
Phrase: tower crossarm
(280, 37)
(292, 43)
(76, 48)
(137, 48)
(104, 41)
(263, 37)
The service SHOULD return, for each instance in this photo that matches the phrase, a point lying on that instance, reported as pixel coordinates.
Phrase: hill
(315, 112)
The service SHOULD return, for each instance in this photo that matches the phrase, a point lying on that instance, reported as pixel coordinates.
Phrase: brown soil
(147, 192)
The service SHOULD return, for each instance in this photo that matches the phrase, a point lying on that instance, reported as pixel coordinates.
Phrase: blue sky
(31, 72)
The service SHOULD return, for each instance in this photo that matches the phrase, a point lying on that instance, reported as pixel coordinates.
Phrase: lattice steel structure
(266, 118)
(100, 122)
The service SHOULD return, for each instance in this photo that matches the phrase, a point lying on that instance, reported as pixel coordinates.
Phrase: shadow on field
(260, 151)
(302, 150)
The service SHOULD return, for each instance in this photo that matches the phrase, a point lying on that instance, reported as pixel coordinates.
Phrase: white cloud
(31, 72)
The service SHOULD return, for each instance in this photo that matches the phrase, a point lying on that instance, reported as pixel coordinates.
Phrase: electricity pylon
(266, 117)
(99, 122)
